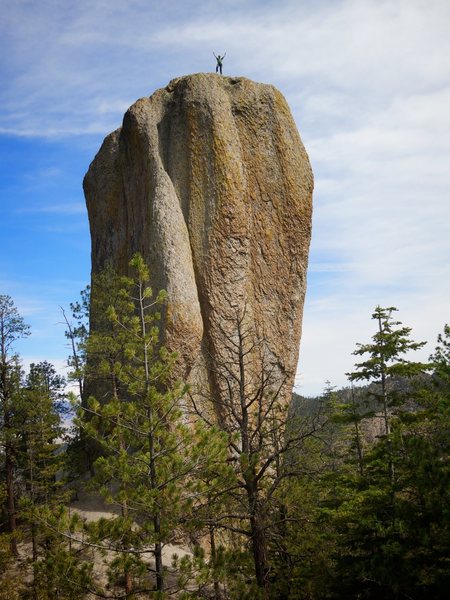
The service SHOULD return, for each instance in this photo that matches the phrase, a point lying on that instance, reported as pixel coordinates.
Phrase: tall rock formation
(208, 179)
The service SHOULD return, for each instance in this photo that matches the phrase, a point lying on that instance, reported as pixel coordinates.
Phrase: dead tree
(262, 439)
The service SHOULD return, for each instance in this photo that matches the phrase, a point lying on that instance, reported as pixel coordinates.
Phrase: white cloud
(65, 208)
(336, 323)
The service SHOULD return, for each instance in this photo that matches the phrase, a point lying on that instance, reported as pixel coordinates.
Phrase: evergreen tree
(64, 569)
(12, 328)
(386, 362)
(440, 359)
(77, 333)
(391, 517)
(386, 359)
(80, 455)
(152, 457)
(40, 429)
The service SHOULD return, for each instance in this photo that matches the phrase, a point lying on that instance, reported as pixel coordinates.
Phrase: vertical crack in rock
(209, 180)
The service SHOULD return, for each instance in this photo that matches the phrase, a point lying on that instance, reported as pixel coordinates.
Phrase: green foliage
(392, 524)
(11, 574)
(389, 343)
(386, 360)
(152, 461)
(263, 443)
(30, 433)
(40, 425)
(324, 507)
(394, 540)
(42, 463)
(303, 548)
(12, 327)
(77, 333)
(64, 568)
(357, 528)
(440, 359)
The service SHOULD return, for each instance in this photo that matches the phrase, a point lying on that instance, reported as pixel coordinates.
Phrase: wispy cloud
(65, 208)
(93, 59)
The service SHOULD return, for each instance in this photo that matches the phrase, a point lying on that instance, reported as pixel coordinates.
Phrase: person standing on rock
(219, 62)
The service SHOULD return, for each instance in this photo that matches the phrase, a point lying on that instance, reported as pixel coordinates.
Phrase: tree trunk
(358, 442)
(158, 555)
(260, 555)
(34, 544)
(128, 583)
(10, 500)
(259, 543)
(359, 449)
(124, 506)
(213, 558)
(127, 576)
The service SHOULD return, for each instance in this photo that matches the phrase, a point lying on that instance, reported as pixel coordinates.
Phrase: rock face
(208, 179)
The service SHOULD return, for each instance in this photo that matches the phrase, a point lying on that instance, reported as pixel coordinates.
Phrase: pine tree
(440, 359)
(390, 518)
(151, 456)
(40, 429)
(77, 333)
(12, 328)
(386, 359)
(386, 362)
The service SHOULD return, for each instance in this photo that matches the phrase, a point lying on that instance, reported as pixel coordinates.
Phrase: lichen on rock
(208, 179)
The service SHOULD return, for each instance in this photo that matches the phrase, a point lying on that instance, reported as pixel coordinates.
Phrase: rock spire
(208, 179)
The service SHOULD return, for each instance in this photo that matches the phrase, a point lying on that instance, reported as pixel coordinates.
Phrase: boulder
(208, 179)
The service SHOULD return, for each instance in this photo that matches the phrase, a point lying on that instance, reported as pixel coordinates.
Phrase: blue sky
(368, 82)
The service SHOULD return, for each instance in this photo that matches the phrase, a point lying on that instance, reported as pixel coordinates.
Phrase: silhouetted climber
(219, 62)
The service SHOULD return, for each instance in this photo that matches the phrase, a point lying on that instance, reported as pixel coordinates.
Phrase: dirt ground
(92, 507)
